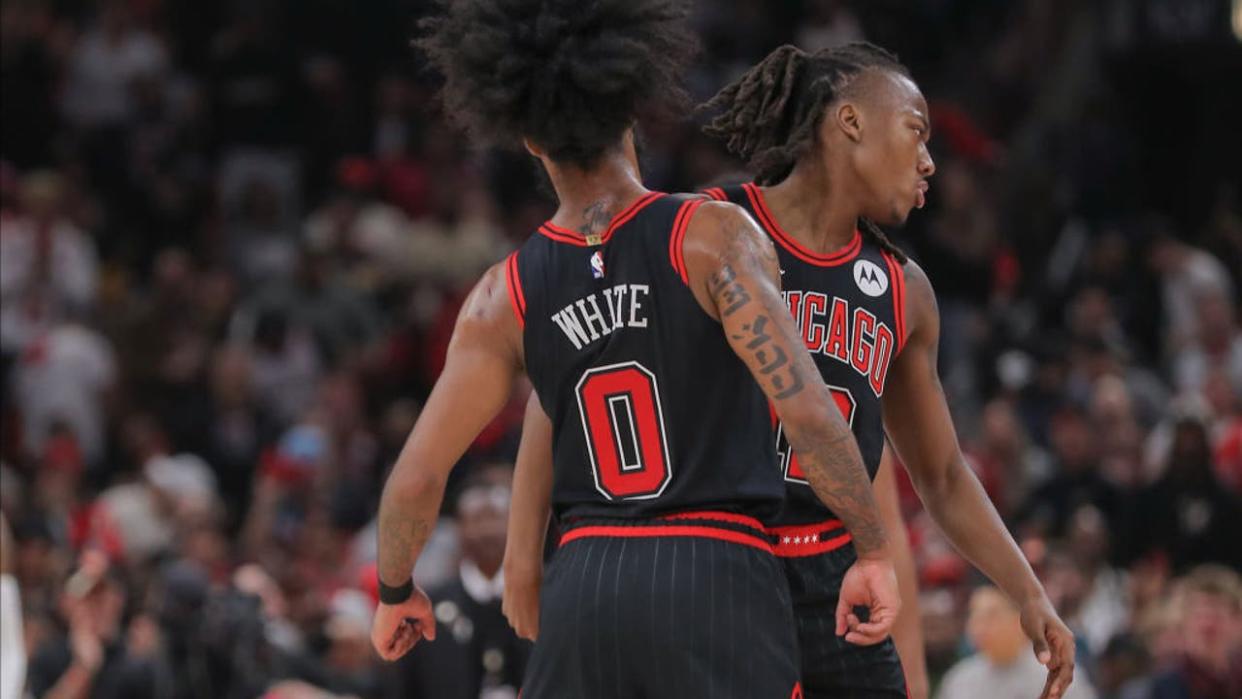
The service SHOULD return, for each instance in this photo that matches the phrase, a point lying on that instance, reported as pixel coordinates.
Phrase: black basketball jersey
(849, 306)
(652, 412)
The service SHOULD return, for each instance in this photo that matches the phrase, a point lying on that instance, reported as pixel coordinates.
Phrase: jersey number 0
(624, 428)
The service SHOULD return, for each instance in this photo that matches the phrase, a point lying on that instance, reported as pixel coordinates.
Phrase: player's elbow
(413, 484)
(937, 482)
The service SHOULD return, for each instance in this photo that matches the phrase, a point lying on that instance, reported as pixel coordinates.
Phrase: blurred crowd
(234, 238)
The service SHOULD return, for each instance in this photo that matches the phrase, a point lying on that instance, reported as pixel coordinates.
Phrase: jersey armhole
(716, 193)
(513, 282)
(680, 223)
(897, 273)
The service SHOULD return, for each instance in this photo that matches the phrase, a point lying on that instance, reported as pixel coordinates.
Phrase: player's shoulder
(717, 224)
(491, 318)
(724, 233)
(914, 302)
(912, 271)
(918, 287)
(489, 301)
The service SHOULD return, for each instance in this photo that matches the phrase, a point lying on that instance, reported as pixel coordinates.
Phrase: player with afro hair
(653, 331)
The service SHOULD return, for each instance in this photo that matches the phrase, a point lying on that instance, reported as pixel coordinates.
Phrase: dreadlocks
(771, 114)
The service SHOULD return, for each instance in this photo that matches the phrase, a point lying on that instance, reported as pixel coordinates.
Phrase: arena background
(235, 237)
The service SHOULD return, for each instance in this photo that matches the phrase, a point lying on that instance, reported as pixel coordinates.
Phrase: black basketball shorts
(815, 558)
(691, 605)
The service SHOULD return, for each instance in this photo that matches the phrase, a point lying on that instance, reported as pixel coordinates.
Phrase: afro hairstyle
(569, 75)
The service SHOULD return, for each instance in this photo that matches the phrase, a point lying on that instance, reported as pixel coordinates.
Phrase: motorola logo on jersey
(870, 278)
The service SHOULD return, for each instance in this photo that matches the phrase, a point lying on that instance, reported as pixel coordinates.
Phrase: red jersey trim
(680, 224)
(806, 529)
(817, 546)
(513, 282)
(716, 193)
(809, 539)
(840, 257)
(730, 517)
(562, 238)
(565, 235)
(634, 532)
(898, 274)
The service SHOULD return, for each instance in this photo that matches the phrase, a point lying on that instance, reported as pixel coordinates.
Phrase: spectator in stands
(1076, 480)
(1188, 275)
(1216, 349)
(1187, 515)
(106, 62)
(48, 267)
(1226, 406)
(1004, 666)
(91, 658)
(1122, 669)
(1208, 607)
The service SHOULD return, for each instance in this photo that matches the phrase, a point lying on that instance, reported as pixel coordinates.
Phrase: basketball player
(653, 331)
(838, 140)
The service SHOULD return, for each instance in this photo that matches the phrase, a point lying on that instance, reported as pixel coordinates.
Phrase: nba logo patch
(597, 264)
(871, 280)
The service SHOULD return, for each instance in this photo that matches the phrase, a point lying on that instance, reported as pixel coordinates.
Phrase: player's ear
(533, 149)
(848, 118)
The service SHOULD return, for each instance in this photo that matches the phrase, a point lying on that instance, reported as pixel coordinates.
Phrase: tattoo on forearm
(836, 473)
(771, 358)
(399, 536)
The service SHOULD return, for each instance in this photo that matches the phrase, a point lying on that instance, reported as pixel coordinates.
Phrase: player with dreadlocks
(653, 331)
(837, 142)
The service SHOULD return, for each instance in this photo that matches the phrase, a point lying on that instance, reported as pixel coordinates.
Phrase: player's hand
(1054, 645)
(521, 599)
(870, 583)
(397, 627)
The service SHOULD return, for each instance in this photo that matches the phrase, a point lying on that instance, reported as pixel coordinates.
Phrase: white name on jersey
(586, 320)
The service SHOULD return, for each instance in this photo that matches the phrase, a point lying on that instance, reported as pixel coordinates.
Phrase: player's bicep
(916, 412)
(482, 362)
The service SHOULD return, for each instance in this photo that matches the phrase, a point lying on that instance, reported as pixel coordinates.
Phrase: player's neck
(813, 208)
(588, 199)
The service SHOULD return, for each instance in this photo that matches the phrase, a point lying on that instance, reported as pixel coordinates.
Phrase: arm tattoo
(826, 448)
(769, 359)
(399, 536)
(731, 295)
(728, 292)
(836, 473)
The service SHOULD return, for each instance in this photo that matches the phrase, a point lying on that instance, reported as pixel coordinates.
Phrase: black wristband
(396, 595)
